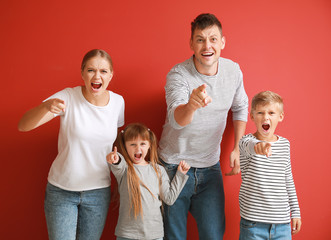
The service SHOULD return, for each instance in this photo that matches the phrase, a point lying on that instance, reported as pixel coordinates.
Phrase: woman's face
(97, 75)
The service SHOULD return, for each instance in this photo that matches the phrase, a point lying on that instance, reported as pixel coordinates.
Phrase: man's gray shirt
(198, 143)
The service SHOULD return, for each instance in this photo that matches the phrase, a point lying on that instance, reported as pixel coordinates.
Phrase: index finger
(202, 88)
(59, 100)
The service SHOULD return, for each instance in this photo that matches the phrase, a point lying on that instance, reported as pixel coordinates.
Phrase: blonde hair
(267, 97)
(131, 132)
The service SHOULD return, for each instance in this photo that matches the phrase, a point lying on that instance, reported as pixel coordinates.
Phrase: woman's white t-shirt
(86, 136)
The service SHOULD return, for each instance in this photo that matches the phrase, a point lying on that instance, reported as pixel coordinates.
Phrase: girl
(78, 190)
(142, 184)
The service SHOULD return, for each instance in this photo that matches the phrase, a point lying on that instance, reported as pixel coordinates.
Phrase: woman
(78, 189)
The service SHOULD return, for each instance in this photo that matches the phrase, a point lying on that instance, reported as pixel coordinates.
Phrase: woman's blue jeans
(76, 215)
(264, 231)
(203, 197)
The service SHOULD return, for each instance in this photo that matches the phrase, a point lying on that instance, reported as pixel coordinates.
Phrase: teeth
(96, 85)
(207, 54)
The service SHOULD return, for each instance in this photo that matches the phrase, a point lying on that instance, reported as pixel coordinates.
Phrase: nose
(97, 75)
(207, 44)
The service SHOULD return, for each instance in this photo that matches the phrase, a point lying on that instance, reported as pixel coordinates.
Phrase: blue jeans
(203, 197)
(76, 215)
(264, 231)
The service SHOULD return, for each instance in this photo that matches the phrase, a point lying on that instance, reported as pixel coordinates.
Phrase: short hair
(203, 21)
(96, 52)
(267, 97)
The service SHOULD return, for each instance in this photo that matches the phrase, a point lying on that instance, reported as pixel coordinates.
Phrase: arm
(292, 196)
(117, 164)
(199, 98)
(41, 114)
(239, 131)
(170, 191)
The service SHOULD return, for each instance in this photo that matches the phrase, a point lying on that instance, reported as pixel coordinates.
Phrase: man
(199, 94)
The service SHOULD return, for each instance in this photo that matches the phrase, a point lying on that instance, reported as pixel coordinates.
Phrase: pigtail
(154, 158)
(132, 180)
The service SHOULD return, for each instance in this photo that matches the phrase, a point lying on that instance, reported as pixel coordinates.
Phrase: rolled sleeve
(239, 106)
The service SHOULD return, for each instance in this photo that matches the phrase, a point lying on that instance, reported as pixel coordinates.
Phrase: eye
(199, 40)
(104, 71)
(214, 39)
(90, 70)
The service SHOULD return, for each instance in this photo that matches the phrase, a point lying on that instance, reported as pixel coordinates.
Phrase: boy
(267, 195)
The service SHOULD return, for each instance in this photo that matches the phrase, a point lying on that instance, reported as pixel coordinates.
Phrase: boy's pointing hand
(263, 148)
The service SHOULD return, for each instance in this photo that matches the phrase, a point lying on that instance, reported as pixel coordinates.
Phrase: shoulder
(283, 140)
(181, 68)
(116, 96)
(248, 136)
(228, 63)
(66, 93)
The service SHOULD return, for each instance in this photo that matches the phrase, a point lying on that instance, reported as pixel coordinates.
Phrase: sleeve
(246, 148)
(63, 95)
(177, 93)
(171, 190)
(239, 106)
(121, 121)
(119, 169)
(290, 187)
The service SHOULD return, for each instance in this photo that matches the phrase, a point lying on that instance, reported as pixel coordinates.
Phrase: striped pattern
(267, 192)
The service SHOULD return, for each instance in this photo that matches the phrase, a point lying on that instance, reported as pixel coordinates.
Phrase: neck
(208, 70)
(271, 138)
(97, 100)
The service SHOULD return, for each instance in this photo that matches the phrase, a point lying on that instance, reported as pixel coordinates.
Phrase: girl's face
(137, 150)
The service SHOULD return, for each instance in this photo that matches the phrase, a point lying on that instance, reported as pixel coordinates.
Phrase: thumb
(115, 149)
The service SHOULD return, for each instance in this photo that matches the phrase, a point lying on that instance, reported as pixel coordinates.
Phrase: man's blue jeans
(203, 197)
(264, 231)
(76, 215)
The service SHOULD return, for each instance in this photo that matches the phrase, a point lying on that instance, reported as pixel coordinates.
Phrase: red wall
(281, 45)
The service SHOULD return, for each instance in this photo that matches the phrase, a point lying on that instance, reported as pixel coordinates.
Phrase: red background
(283, 46)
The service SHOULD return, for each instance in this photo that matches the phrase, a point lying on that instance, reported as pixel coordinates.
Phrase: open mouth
(266, 126)
(96, 85)
(138, 155)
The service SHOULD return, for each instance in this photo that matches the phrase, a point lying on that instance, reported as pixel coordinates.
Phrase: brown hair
(267, 97)
(203, 21)
(131, 132)
(96, 52)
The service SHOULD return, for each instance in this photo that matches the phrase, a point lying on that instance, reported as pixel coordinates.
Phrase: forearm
(183, 114)
(34, 118)
(239, 131)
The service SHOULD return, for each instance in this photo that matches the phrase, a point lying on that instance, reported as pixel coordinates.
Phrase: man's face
(207, 45)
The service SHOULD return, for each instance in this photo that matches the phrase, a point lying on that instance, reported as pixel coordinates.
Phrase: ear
(281, 117)
(251, 116)
(223, 42)
(191, 42)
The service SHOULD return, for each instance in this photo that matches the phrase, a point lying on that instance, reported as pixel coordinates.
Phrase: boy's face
(266, 118)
